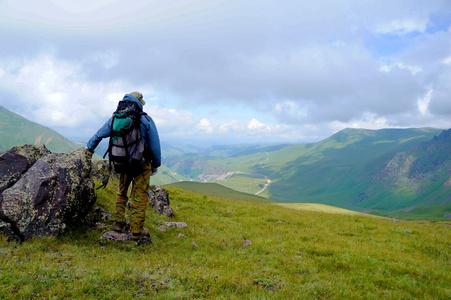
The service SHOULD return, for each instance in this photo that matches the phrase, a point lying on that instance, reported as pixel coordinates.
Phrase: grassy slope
(330, 172)
(316, 207)
(294, 255)
(217, 190)
(166, 176)
(432, 213)
(327, 172)
(16, 130)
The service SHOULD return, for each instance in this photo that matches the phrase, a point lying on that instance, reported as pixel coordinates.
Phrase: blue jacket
(149, 135)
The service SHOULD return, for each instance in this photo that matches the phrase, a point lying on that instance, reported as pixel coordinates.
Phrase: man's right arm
(103, 132)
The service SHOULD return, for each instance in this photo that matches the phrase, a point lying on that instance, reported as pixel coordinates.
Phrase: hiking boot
(137, 236)
(119, 226)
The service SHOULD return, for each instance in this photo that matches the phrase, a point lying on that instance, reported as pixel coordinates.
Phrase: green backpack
(126, 147)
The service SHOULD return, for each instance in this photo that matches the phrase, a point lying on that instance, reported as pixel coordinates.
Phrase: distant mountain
(344, 170)
(421, 176)
(16, 130)
(171, 149)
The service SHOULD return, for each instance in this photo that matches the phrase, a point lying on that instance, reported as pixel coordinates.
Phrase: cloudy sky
(212, 71)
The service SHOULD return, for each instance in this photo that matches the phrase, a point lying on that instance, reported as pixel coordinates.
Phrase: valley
(376, 171)
(347, 170)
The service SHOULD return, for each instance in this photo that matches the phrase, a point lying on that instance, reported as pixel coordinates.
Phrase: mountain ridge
(16, 130)
(335, 171)
(423, 169)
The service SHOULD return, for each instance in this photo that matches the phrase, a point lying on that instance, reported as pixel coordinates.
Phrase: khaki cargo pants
(139, 198)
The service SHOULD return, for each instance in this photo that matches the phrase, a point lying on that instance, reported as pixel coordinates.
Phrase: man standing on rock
(140, 175)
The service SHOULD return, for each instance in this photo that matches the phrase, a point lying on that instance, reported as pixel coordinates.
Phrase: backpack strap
(110, 144)
(105, 181)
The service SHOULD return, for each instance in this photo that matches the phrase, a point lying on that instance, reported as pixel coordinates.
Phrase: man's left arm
(153, 142)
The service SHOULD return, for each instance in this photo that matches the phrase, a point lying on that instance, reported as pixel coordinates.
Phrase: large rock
(44, 193)
(159, 199)
(16, 161)
(101, 169)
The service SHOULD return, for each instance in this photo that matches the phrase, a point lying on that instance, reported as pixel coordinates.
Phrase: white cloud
(413, 69)
(232, 126)
(423, 103)
(310, 65)
(367, 121)
(256, 125)
(401, 27)
(55, 93)
(205, 125)
(170, 118)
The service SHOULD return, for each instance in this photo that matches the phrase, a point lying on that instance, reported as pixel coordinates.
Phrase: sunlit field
(293, 254)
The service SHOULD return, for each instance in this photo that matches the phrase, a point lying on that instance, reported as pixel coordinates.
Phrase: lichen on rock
(45, 192)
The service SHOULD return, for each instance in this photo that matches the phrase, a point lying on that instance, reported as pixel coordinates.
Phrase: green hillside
(432, 213)
(217, 190)
(329, 172)
(316, 207)
(338, 171)
(419, 176)
(293, 255)
(15, 130)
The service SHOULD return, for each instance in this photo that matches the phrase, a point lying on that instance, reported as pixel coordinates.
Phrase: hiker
(139, 173)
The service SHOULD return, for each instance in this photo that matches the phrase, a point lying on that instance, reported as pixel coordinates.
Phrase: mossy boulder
(45, 192)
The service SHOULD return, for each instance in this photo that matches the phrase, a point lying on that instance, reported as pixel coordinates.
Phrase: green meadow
(431, 213)
(294, 254)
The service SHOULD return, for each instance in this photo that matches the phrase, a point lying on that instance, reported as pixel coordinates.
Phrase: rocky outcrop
(418, 176)
(43, 193)
(159, 199)
(425, 163)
